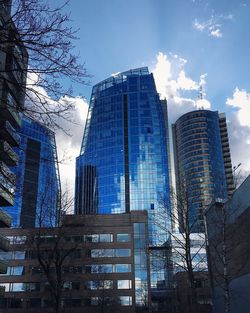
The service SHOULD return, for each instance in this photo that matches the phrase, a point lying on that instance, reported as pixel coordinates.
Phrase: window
(19, 255)
(106, 237)
(94, 301)
(99, 268)
(99, 238)
(122, 268)
(14, 271)
(102, 253)
(123, 237)
(122, 252)
(6, 255)
(6, 286)
(17, 239)
(18, 287)
(68, 285)
(99, 284)
(125, 300)
(124, 284)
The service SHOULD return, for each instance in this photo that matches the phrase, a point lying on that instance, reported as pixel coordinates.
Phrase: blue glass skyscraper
(123, 163)
(202, 162)
(37, 177)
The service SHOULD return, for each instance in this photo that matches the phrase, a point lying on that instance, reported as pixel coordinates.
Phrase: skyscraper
(37, 183)
(13, 65)
(202, 162)
(123, 163)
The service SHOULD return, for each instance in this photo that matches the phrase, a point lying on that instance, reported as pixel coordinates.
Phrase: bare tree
(41, 32)
(226, 245)
(187, 243)
(53, 252)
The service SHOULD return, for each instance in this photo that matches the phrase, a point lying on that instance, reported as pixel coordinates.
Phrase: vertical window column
(140, 263)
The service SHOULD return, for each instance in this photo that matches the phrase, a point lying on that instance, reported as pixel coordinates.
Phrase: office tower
(37, 183)
(202, 162)
(105, 254)
(13, 65)
(124, 154)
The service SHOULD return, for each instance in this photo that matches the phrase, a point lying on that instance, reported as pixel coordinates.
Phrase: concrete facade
(100, 273)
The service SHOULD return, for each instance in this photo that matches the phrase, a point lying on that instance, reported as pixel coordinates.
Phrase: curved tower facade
(123, 164)
(200, 162)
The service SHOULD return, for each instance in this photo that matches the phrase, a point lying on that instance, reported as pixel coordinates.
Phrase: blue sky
(116, 35)
(185, 43)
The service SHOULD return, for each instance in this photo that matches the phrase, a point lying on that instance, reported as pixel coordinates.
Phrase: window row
(67, 303)
(75, 254)
(123, 237)
(69, 285)
(94, 268)
(109, 253)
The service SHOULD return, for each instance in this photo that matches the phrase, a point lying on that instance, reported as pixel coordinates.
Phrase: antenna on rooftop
(200, 95)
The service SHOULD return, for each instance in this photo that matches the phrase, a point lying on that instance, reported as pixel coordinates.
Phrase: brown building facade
(96, 263)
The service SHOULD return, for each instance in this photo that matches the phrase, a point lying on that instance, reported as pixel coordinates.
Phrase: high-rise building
(13, 66)
(37, 177)
(202, 162)
(123, 163)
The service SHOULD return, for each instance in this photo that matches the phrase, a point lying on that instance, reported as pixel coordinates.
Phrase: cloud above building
(174, 84)
(183, 93)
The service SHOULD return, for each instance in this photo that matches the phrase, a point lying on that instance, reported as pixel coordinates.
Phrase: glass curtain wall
(123, 164)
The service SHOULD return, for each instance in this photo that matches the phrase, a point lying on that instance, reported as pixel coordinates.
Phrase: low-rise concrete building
(104, 265)
(5, 222)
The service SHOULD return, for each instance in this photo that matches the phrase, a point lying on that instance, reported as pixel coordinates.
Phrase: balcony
(7, 154)
(6, 183)
(6, 172)
(6, 198)
(9, 133)
(10, 113)
(3, 268)
(5, 219)
(4, 243)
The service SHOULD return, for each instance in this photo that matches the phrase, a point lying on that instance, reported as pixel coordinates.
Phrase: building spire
(200, 93)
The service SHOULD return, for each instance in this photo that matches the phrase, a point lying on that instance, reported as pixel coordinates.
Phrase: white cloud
(173, 84)
(68, 145)
(239, 137)
(199, 26)
(212, 26)
(69, 128)
(216, 33)
(241, 101)
(239, 128)
(186, 83)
